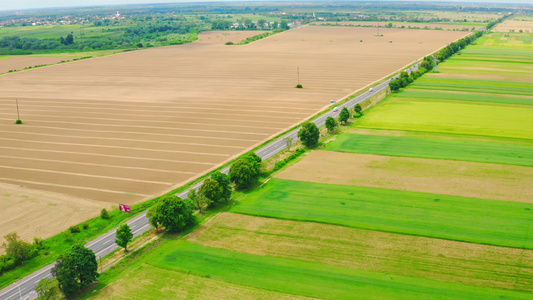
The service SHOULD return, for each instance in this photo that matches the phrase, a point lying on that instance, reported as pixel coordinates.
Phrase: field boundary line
(116, 147)
(120, 139)
(93, 164)
(108, 155)
(137, 120)
(148, 133)
(178, 109)
(149, 127)
(74, 187)
(174, 112)
(87, 175)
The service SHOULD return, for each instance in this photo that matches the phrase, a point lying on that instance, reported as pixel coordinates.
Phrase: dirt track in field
(126, 127)
(460, 178)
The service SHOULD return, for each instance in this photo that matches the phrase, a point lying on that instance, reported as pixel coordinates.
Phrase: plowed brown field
(126, 127)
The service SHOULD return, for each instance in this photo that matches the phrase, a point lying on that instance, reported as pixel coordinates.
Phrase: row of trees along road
(428, 64)
(78, 268)
(309, 134)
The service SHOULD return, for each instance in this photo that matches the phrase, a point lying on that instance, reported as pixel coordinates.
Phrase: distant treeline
(139, 35)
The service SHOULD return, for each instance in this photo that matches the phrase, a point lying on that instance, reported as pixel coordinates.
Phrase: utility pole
(298, 72)
(18, 114)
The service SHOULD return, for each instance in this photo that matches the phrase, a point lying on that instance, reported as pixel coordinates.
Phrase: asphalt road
(105, 244)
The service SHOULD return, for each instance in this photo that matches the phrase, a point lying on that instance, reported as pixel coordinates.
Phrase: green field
(57, 31)
(309, 279)
(501, 223)
(376, 251)
(439, 148)
(475, 85)
(452, 117)
(463, 96)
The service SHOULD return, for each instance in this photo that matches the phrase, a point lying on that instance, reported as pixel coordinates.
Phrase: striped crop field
(501, 223)
(435, 147)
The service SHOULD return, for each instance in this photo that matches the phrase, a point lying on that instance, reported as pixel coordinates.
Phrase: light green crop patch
(452, 117)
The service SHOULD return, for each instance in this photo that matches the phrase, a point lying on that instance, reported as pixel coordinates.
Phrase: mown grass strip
(486, 86)
(414, 93)
(493, 222)
(406, 146)
(309, 279)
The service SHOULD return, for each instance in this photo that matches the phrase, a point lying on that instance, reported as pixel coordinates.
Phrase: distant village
(294, 19)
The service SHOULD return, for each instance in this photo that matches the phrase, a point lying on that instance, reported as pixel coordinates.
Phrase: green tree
(124, 236)
(309, 134)
(198, 201)
(256, 161)
(211, 189)
(47, 289)
(104, 214)
(395, 85)
(344, 115)
(225, 184)
(17, 248)
(284, 25)
(331, 124)
(261, 23)
(243, 173)
(358, 109)
(75, 269)
(172, 212)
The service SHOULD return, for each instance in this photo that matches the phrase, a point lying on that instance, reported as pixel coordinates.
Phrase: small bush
(74, 229)
(18, 122)
(104, 214)
(39, 243)
(299, 86)
(230, 43)
(85, 226)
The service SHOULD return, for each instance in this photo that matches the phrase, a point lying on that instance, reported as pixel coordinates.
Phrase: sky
(28, 4)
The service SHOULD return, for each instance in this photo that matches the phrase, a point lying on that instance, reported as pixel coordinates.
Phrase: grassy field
(478, 151)
(300, 278)
(156, 283)
(436, 259)
(475, 220)
(452, 117)
(57, 31)
(475, 85)
(463, 96)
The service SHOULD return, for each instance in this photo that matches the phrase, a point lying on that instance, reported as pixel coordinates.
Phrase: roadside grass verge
(300, 278)
(144, 281)
(451, 117)
(347, 247)
(436, 148)
(493, 222)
